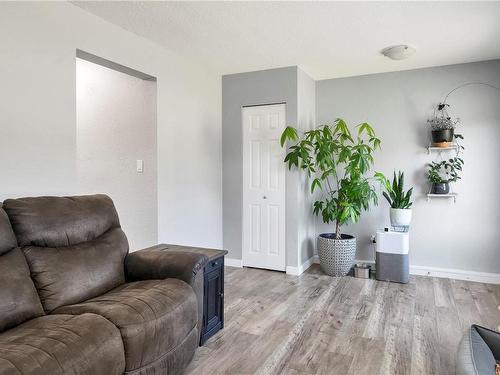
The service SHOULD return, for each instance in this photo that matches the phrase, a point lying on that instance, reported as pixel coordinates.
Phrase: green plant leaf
(288, 134)
(316, 183)
(387, 198)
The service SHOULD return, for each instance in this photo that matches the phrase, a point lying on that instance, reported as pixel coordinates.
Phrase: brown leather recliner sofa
(73, 300)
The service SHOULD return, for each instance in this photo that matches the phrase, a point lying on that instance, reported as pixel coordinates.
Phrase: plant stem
(337, 230)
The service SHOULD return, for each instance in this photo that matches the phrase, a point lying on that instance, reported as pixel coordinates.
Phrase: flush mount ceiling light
(400, 52)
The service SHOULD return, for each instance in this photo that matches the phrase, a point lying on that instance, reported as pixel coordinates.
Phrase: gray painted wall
(464, 235)
(306, 120)
(294, 87)
(238, 90)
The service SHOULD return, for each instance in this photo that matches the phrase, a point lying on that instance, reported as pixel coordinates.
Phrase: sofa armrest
(477, 352)
(491, 338)
(156, 262)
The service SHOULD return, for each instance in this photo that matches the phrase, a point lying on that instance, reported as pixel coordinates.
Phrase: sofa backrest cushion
(73, 274)
(61, 221)
(7, 237)
(74, 246)
(18, 298)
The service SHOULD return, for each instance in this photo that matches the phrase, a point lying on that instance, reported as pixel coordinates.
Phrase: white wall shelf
(449, 195)
(432, 148)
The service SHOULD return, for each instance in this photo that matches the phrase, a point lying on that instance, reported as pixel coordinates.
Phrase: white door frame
(245, 261)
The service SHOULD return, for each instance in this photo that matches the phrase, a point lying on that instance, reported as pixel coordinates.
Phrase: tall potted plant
(337, 163)
(399, 200)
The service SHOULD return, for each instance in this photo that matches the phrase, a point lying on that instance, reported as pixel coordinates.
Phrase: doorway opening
(116, 142)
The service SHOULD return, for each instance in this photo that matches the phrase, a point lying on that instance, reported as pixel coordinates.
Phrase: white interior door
(263, 187)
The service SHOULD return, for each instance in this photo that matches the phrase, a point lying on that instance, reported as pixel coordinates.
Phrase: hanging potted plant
(399, 200)
(337, 162)
(440, 174)
(443, 126)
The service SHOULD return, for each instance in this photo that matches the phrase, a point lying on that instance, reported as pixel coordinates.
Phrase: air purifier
(391, 256)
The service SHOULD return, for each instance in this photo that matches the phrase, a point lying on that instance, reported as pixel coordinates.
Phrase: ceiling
(326, 39)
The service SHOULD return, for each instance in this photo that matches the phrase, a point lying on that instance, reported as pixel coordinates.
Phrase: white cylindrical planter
(400, 216)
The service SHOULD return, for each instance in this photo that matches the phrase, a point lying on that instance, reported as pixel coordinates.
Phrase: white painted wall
(116, 126)
(38, 43)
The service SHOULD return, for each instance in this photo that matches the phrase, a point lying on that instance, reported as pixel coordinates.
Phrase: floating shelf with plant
(449, 195)
(440, 174)
(453, 147)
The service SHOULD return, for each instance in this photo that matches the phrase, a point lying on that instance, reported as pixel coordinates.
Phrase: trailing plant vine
(442, 120)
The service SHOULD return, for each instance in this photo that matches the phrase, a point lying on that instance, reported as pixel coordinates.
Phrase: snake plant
(394, 193)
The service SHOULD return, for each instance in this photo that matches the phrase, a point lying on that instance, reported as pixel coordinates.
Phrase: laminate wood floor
(316, 324)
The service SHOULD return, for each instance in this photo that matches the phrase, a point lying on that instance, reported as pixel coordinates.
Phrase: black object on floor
(213, 289)
(213, 298)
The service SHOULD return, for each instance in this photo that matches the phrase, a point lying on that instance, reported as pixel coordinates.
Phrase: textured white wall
(464, 235)
(38, 42)
(116, 125)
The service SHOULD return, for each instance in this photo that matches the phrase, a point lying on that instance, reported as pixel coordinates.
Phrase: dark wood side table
(213, 293)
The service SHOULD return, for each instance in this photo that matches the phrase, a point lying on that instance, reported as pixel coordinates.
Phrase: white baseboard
(233, 262)
(296, 271)
(448, 273)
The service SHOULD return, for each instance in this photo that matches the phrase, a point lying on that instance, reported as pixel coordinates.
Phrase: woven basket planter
(336, 257)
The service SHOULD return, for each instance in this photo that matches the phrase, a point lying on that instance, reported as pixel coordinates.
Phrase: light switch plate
(140, 166)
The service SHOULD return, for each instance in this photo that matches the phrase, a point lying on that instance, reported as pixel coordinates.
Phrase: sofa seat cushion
(62, 344)
(153, 316)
